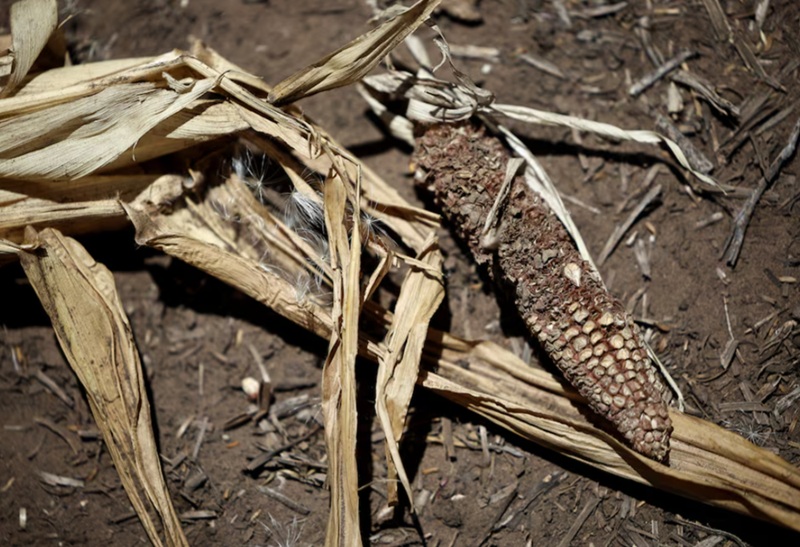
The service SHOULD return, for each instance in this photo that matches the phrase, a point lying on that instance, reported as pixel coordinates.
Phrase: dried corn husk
(338, 373)
(178, 212)
(32, 24)
(80, 297)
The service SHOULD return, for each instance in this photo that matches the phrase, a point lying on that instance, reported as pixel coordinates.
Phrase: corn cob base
(584, 330)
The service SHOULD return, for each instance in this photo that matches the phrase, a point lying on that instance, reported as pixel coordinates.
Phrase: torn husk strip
(352, 62)
(431, 100)
(80, 297)
(91, 204)
(127, 112)
(707, 463)
(398, 368)
(338, 373)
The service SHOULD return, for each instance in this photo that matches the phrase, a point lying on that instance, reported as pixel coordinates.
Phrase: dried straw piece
(582, 327)
(338, 373)
(398, 369)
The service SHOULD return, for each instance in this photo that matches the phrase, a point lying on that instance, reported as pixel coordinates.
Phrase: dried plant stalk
(80, 297)
(707, 463)
(338, 373)
(564, 304)
(420, 295)
(90, 204)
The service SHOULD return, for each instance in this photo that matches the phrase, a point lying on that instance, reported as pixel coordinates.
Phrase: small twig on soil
(582, 204)
(695, 157)
(774, 119)
(705, 90)
(285, 500)
(641, 251)
(649, 79)
(194, 481)
(599, 11)
(50, 384)
(260, 461)
(733, 245)
(484, 438)
(754, 111)
(708, 529)
(649, 177)
(60, 480)
(73, 443)
(492, 528)
(727, 354)
(725, 33)
(184, 427)
(447, 438)
(585, 513)
(620, 231)
(200, 437)
(481, 53)
(543, 65)
(548, 483)
(562, 13)
(713, 219)
(762, 7)
(265, 385)
(463, 442)
(198, 514)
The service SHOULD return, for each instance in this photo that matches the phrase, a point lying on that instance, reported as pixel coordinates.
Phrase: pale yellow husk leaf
(81, 299)
(352, 62)
(338, 373)
(32, 23)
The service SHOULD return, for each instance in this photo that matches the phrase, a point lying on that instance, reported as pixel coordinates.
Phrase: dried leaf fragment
(80, 297)
(32, 23)
(398, 369)
(352, 62)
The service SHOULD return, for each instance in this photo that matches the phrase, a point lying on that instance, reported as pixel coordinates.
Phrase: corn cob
(585, 330)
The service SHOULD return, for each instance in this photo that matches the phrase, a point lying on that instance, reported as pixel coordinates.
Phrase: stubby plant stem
(584, 329)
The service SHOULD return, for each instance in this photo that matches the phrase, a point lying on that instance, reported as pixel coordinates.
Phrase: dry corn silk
(529, 254)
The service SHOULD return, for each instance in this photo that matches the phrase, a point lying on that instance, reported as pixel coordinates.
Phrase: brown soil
(189, 326)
